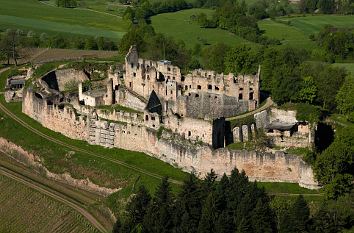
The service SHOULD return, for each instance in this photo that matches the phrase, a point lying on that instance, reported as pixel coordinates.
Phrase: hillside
(40, 17)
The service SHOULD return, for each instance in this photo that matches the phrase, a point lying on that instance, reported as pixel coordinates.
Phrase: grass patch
(295, 30)
(348, 66)
(180, 26)
(34, 15)
(288, 35)
(302, 151)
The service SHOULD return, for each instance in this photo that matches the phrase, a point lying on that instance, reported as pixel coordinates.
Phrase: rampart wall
(261, 166)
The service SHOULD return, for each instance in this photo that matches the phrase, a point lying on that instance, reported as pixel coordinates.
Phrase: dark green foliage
(335, 216)
(213, 57)
(335, 166)
(242, 60)
(155, 46)
(296, 218)
(209, 215)
(144, 9)
(158, 216)
(337, 41)
(345, 97)
(32, 39)
(262, 218)
(231, 205)
(66, 3)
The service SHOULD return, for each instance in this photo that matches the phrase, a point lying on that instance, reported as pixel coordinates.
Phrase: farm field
(113, 7)
(180, 26)
(295, 30)
(26, 210)
(33, 15)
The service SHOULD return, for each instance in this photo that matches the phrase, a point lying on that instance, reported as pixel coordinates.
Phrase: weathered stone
(236, 132)
(245, 133)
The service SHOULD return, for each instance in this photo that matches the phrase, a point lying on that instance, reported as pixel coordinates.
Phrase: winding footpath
(45, 189)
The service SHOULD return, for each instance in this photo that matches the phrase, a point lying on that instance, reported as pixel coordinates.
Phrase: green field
(295, 31)
(288, 35)
(112, 7)
(180, 26)
(26, 210)
(33, 15)
(348, 66)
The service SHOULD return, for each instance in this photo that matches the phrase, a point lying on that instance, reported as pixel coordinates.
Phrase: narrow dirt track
(53, 194)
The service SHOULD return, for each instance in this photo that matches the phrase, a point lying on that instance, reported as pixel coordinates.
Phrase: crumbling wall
(261, 166)
(60, 120)
(204, 105)
(60, 78)
(190, 128)
(126, 98)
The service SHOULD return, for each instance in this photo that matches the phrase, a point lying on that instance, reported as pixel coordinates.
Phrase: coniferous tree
(225, 223)
(300, 214)
(138, 206)
(295, 220)
(209, 215)
(158, 216)
(245, 226)
(263, 218)
(190, 204)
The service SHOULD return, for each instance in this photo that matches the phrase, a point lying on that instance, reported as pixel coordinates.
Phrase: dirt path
(269, 102)
(48, 191)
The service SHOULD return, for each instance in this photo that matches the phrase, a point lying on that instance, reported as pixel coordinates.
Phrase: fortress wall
(127, 99)
(59, 120)
(191, 128)
(200, 105)
(261, 166)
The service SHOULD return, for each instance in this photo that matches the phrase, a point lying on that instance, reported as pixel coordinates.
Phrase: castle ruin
(182, 119)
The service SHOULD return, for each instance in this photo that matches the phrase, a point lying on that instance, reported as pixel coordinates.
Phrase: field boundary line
(85, 9)
(53, 194)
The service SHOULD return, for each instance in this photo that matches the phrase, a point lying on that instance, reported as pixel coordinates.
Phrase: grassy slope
(179, 26)
(36, 212)
(288, 35)
(295, 31)
(31, 14)
(348, 66)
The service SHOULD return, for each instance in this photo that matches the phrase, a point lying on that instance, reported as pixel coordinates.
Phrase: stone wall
(63, 120)
(210, 106)
(261, 166)
(190, 128)
(126, 98)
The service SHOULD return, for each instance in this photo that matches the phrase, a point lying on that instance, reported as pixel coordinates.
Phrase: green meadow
(180, 26)
(295, 30)
(37, 16)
